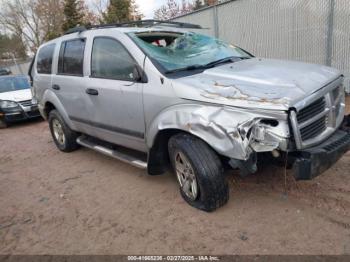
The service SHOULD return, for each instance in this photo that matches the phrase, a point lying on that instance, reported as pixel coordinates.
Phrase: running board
(84, 141)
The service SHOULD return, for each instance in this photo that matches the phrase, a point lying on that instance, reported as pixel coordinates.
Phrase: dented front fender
(231, 132)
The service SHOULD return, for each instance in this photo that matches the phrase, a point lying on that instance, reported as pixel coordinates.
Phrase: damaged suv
(156, 94)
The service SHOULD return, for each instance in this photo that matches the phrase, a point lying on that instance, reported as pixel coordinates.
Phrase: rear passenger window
(111, 60)
(44, 63)
(71, 57)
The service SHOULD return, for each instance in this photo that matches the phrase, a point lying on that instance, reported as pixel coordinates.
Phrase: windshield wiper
(220, 61)
(230, 59)
(187, 68)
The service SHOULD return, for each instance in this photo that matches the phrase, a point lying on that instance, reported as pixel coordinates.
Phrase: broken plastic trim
(258, 135)
(246, 167)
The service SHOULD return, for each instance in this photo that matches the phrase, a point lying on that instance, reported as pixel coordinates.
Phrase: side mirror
(139, 75)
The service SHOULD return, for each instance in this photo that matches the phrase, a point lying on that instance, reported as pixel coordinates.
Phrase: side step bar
(83, 141)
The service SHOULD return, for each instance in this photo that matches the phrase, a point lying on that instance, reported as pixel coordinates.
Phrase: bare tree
(99, 7)
(50, 13)
(135, 13)
(33, 21)
(11, 46)
(20, 18)
(186, 7)
(172, 9)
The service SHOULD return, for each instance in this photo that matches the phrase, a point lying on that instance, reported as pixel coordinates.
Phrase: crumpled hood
(17, 96)
(256, 83)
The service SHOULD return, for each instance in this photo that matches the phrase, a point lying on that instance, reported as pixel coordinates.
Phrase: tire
(3, 124)
(212, 188)
(68, 142)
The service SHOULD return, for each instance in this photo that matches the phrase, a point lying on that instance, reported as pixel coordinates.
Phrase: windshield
(175, 51)
(9, 84)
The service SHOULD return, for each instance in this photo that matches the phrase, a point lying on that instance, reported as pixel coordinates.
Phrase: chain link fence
(314, 31)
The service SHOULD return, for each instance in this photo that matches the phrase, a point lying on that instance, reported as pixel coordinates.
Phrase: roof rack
(140, 23)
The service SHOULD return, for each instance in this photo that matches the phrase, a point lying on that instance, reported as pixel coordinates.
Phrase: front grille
(319, 119)
(318, 126)
(314, 129)
(26, 103)
(311, 110)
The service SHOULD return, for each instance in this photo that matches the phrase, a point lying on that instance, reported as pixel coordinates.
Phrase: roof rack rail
(77, 29)
(140, 23)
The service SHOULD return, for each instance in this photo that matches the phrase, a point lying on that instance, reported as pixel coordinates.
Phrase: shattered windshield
(174, 51)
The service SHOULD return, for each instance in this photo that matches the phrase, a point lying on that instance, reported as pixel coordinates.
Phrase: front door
(114, 98)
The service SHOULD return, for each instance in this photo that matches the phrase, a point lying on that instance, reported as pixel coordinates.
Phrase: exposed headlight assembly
(5, 104)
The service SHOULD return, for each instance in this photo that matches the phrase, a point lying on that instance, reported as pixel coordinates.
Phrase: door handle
(92, 92)
(56, 87)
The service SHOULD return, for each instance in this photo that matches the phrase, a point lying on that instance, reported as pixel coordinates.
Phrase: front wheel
(64, 137)
(199, 172)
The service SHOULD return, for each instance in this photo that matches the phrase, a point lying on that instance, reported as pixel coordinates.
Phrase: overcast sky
(147, 7)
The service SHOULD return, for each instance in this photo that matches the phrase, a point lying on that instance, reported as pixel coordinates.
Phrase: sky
(147, 7)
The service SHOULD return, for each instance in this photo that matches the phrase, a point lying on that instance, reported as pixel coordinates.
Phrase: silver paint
(220, 105)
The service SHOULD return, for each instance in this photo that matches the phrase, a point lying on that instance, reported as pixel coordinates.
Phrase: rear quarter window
(44, 61)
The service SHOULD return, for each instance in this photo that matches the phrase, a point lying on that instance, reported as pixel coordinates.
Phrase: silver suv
(158, 94)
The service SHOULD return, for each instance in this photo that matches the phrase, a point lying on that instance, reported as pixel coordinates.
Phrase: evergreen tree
(118, 11)
(72, 14)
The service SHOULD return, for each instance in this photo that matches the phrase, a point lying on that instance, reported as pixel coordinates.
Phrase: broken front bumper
(312, 162)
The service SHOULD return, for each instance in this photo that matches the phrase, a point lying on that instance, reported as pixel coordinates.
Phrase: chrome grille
(26, 103)
(312, 110)
(319, 115)
(314, 129)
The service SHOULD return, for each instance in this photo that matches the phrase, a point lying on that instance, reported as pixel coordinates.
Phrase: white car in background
(16, 103)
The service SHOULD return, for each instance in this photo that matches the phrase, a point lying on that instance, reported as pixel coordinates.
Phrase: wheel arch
(50, 101)
(48, 107)
(216, 126)
(158, 157)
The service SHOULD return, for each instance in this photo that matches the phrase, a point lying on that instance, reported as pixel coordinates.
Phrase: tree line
(26, 24)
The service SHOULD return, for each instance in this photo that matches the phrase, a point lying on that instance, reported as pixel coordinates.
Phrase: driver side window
(111, 60)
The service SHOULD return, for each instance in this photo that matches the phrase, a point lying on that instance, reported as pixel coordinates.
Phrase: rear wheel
(64, 137)
(199, 172)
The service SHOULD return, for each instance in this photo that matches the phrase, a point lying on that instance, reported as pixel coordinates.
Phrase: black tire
(71, 136)
(213, 188)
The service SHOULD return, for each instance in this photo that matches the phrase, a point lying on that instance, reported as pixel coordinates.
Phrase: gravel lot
(87, 203)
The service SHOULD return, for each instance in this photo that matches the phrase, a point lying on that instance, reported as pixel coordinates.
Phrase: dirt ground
(87, 203)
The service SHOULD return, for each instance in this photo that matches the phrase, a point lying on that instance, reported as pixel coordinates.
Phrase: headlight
(8, 104)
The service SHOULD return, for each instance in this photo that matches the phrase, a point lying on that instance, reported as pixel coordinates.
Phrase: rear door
(69, 83)
(115, 99)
